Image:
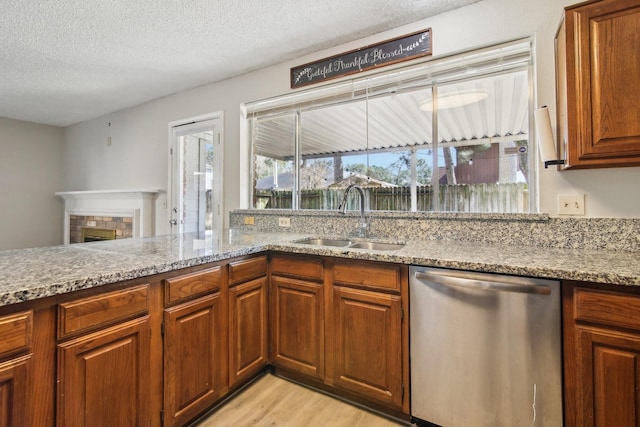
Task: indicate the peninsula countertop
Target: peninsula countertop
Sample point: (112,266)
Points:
(28,274)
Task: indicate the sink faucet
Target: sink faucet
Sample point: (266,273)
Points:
(364,225)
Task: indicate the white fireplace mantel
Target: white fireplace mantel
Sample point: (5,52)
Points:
(138,204)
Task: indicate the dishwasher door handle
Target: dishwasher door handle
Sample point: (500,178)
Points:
(487,285)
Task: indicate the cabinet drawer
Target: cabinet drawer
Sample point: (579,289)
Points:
(16,331)
(298,266)
(607,308)
(242,271)
(367,274)
(194,284)
(102,310)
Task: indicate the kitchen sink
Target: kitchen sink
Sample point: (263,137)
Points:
(351,244)
(325,242)
(377,246)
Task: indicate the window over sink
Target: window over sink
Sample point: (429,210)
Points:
(444,134)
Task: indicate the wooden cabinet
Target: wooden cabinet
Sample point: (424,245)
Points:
(87,314)
(598,84)
(602,355)
(104,372)
(248,319)
(370,334)
(174,342)
(297,314)
(136,353)
(341,322)
(195,345)
(194,359)
(16,331)
(163,350)
(368,344)
(14,392)
(104,377)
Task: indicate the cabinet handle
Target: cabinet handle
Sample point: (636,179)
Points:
(477,283)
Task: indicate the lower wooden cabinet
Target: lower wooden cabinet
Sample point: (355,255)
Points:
(194,358)
(163,351)
(368,344)
(248,330)
(602,356)
(297,326)
(14,392)
(16,346)
(104,377)
(340,323)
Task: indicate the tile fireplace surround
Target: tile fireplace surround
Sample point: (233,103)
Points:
(133,206)
(122,225)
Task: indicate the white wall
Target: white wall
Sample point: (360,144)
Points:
(31,166)
(137,157)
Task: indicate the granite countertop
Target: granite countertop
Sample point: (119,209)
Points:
(29,274)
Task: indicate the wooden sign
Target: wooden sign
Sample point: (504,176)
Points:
(385,53)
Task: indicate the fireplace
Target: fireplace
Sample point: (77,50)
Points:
(97,234)
(88,228)
(131,213)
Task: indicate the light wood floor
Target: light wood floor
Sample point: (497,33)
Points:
(273,401)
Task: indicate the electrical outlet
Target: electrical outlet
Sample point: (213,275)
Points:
(284,222)
(249,220)
(571,204)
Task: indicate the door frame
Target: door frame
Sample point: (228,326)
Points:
(172,164)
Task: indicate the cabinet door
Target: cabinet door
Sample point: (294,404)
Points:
(368,344)
(601,355)
(608,366)
(14,376)
(602,86)
(104,377)
(297,326)
(194,352)
(247,329)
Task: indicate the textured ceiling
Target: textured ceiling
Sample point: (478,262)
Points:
(66,61)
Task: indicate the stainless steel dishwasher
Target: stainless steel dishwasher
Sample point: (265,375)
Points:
(485,349)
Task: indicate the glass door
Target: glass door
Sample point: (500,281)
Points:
(196,177)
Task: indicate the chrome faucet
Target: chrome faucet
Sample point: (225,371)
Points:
(364,224)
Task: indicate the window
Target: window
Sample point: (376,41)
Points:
(449,134)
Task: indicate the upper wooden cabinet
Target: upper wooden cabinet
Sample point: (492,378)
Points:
(598,84)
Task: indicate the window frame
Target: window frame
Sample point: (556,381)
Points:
(493,60)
